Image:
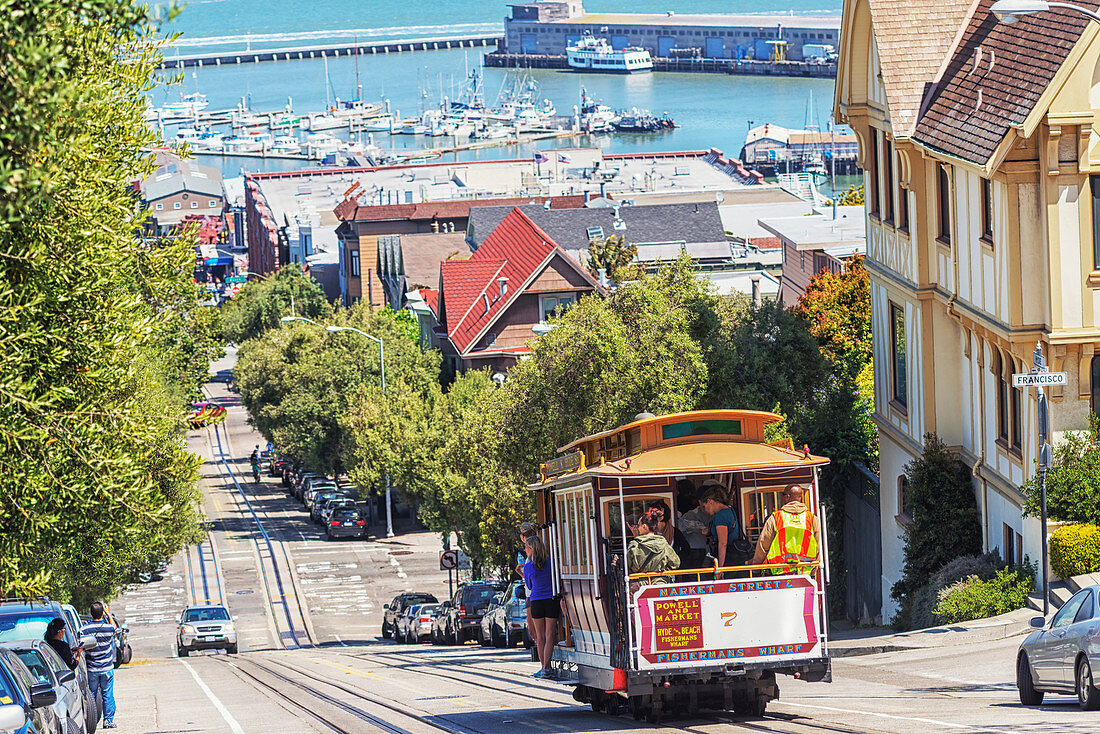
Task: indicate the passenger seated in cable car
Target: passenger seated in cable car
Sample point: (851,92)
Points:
(649,552)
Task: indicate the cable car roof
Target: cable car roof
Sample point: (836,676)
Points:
(763,417)
(709,457)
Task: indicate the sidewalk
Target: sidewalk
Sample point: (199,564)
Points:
(871,641)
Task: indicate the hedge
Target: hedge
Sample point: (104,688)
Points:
(975,598)
(1074,550)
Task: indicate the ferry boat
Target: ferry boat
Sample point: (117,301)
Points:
(189,105)
(596,54)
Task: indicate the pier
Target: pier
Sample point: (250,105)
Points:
(696,65)
(335,50)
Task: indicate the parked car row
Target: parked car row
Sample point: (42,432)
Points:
(38,692)
(491,612)
(333,506)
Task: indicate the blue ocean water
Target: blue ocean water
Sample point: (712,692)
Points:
(711,110)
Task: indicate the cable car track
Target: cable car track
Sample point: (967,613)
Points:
(241,667)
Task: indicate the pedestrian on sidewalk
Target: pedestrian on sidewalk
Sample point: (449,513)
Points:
(255,461)
(101,661)
(544,606)
(526,530)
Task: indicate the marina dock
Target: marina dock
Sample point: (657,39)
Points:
(689,65)
(254,56)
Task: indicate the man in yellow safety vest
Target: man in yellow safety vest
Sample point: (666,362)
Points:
(791,535)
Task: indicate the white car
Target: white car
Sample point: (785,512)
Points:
(206,627)
(47,666)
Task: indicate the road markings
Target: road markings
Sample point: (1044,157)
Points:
(233,725)
(886,716)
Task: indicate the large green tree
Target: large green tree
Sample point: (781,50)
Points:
(96,475)
(261,303)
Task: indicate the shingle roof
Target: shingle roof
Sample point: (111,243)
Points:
(569,228)
(996,75)
(421,255)
(515,250)
(912,37)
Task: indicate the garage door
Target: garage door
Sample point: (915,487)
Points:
(664,45)
(619,42)
(715,48)
(529,43)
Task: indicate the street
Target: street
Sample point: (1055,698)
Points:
(308,614)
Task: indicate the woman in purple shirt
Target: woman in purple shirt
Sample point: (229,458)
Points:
(545,609)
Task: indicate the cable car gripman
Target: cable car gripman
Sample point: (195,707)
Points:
(716,636)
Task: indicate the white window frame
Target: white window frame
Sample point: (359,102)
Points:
(558,298)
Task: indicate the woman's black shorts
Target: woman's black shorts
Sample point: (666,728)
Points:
(545,609)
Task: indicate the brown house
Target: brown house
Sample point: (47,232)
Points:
(364,262)
(490,304)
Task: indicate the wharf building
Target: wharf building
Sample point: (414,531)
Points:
(547,27)
(981,157)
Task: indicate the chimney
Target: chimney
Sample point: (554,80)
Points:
(756,291)
(503,286)
(603,189)
(603,276)
(587,196)
(486,297)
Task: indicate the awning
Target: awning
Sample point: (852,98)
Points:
(215,261)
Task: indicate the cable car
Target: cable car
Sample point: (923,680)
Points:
(715,637)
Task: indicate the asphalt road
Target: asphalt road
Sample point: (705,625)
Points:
(312,658)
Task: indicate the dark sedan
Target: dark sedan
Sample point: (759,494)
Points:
(345,522)
(1061,657)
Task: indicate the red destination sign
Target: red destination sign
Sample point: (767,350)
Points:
(678,624)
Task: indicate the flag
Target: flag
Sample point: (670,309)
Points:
(564,158)
(541,157)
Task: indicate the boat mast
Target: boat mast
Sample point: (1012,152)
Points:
(358,86)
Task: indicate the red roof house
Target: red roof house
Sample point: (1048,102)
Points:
(489,303)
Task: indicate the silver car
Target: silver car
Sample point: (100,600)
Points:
(206,627)
(1060,657)
(45,665)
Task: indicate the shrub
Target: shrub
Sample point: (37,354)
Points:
(917,609)
(1074,550)
(945,523)
(1073,482)
(975,598)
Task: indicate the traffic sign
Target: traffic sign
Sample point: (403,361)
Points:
(237,279)
(448,560)
(1040,379)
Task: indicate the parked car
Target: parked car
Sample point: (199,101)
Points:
(123,652)
(346,522)
(314,488)
(318,501)
(439,624)
(276,468)
(301,483)
(48,667)
(22,619)
(340,502)
(421,626)
(404,622)
(206,627)
(400,603)
(505,621)
(29,703)
(468,605)
(1061,657)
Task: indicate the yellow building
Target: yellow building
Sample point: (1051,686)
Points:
(982,174)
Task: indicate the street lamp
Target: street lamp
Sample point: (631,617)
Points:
(249,272)
(288,319)
(332,329)
(1009,11)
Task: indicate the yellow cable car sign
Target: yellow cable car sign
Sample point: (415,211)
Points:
(563,465)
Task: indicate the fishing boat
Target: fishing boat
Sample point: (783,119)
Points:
(589,53)
(286,144)
(641,121)
(188,106)
(377,125)
(490,132)
(596,117)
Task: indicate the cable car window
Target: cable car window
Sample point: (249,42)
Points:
(635,508)
(700,428)
(759,506)
(564,553)
(575,548)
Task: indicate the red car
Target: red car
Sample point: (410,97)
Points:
(205,414)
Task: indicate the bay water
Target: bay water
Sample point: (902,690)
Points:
(711,110)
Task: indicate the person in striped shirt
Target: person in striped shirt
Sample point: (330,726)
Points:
(101,661)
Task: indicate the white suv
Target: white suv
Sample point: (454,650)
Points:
(206,627)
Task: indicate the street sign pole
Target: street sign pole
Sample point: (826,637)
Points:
(1044,463)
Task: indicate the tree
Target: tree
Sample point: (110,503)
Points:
(852,197)
(1073,481)
(943,515)
(837,308)
(612,254)
(96,474)
(261,303)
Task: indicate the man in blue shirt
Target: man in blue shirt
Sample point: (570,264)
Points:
(101,661)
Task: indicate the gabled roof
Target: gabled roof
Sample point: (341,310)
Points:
(912,37)
(471,299)
(996,74)
(431,298)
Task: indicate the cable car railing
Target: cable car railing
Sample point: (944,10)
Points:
(716,569)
